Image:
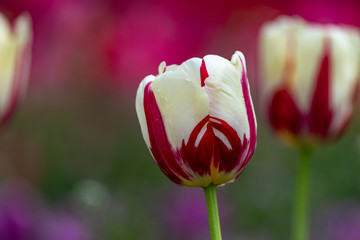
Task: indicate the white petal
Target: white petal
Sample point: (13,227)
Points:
(5,30)
(162,67)
(273,47)
(235,59)
(23,29)
(226,94)
(139,104)
(308,52)
(182,104)
(289,40)
(345,62)
(172,67)
(23,34)
(191,70)
(8,50)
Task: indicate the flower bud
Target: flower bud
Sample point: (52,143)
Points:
(310,78)
(198,121)
(15,44)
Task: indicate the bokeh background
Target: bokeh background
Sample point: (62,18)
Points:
(74,166)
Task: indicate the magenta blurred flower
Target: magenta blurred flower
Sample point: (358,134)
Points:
(23,216)
(18,213)
(15,48)
(341,222)
(198,120)
(345,228)
(310,78)
(184,214)
(61,226)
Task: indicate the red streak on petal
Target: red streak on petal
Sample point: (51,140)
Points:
(203,73)
(161,149)
(199,158)
(320,114)
(283,112)
(250,114)
(211,149)
(229,159)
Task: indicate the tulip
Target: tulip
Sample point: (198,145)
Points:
(310,78)
(15,44)
(310,81)
(198,121)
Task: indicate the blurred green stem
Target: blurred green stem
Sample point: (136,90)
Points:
(213,213)
(300,220)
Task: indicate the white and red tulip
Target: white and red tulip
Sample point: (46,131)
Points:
(198,119)
(15,55)
(310,76)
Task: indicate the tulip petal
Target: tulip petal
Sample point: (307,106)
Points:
(15,58)
(139,104)
(22,29)
(284,115)
(306,47)
(164,154)
(345,73)
(191,70)
(226,94)
(273,48)
(232,110)
(182,104)
(7,63)
(249,112)
(180,107)
(320,114)
(4,29)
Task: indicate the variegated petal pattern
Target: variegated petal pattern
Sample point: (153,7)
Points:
(198,121)
(310,77)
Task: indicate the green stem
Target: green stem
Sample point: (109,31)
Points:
(300,221)
(213,213)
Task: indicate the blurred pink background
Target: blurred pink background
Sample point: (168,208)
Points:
(76,145)
(118,43)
